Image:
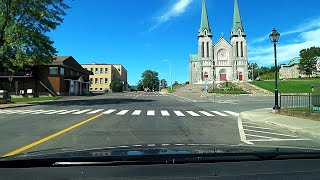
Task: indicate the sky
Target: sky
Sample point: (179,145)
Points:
(141,34)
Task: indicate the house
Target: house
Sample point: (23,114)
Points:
(104,74)
(292,69)
(63,76)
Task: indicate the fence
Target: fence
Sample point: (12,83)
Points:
(299,101)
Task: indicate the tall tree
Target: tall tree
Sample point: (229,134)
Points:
(150,79)
(24,25)
(308,60)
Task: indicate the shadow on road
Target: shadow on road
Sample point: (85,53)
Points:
(91,102)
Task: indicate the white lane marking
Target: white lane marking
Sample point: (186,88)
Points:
(122,112)
(178,113)
(165,113)
(96,111)
(151,145)
(70,111)
(165,144)
(256,127)
(82,111)
(265,132)
(123,146)
(109,111)
(192,144)
(137,145)
(232,113)
(136,112)
(179,144)
(193,113)
(10,111)
(184,98)
(275,139)
(206,113)
(250,123)
(252,135)
(29,111)
(54,112)
(39,112)
(150,113)
(219,113)
(241,133)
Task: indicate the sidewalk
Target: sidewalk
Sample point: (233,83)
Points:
(299,125)
(13,105)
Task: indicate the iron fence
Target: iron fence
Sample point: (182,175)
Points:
(299,100)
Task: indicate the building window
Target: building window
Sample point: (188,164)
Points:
(241,46)
(106,80)
(62,71)
(101,80)
(96,80)
(237,49)
(106,70)
(91,80)
(207,49)
(53,70)
(78,73)
(91,69)
(101,70)
(71,72)
(91,89)
(95,88)
(100,89)
(202,49)
(97,71)
(119,69)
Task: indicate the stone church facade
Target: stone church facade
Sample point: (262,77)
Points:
(222,61)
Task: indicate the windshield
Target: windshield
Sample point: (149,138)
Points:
(176,77)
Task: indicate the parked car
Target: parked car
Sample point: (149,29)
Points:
(133,90)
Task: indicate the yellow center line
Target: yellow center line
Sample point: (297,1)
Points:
(50,137)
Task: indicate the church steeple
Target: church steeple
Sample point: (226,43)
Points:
(205,29)
(237,22)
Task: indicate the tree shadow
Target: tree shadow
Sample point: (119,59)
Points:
(92,102)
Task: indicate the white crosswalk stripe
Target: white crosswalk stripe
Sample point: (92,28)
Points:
(38,112)
(82,111)
(69,111)
(96,111)
(136,112)
(206,113)
(150,113)
(109,111)
(178,113)
(54,112)
(193,113)
(232,113)
(219,113)
(123,112)
(165,113)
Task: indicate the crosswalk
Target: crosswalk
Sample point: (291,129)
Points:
(117,112)
(150,95)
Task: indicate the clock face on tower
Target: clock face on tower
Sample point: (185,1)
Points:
(223,54)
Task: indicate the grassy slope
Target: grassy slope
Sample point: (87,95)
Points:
(289,86)
(33,99)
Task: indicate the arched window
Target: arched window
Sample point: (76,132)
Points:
(237,49)
(208,49)
(241,46)
(202,48)
(205,32)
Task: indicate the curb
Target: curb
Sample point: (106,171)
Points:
(315,133)
(17,105)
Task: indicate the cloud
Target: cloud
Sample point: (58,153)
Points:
(308,25)
(173,11)
(263,55)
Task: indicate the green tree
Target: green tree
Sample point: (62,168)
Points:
(24,25)
(150,80)
(140,86)
(308,60)
(116,86)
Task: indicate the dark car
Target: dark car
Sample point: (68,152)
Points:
(133,90)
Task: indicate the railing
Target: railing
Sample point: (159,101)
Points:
(299,100)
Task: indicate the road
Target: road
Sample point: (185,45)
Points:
(139,119)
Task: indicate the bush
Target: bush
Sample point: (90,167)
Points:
(116,86)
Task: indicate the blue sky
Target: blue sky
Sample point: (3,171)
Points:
(140,34)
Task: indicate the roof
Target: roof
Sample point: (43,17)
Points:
(69,62)
(193,57)
(204,21)
(296,61)
(237,21)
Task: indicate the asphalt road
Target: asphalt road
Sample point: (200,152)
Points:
(138,119)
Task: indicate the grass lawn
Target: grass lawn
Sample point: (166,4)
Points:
(174,87)
(15,100)
(289,85)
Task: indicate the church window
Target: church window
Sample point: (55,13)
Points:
(241,49)
(205,32)
(202,48)
(237,48)
(207,49)
(194,65)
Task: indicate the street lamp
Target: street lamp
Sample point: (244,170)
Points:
(170,72)
(274,37)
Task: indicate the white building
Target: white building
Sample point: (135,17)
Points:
(292,69)
(222,61)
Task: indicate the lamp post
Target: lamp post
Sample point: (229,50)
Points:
(274,37)
(170,72)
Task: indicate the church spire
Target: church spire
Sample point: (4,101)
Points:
(204,22)
(237,22)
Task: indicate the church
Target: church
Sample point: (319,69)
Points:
(222,61)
